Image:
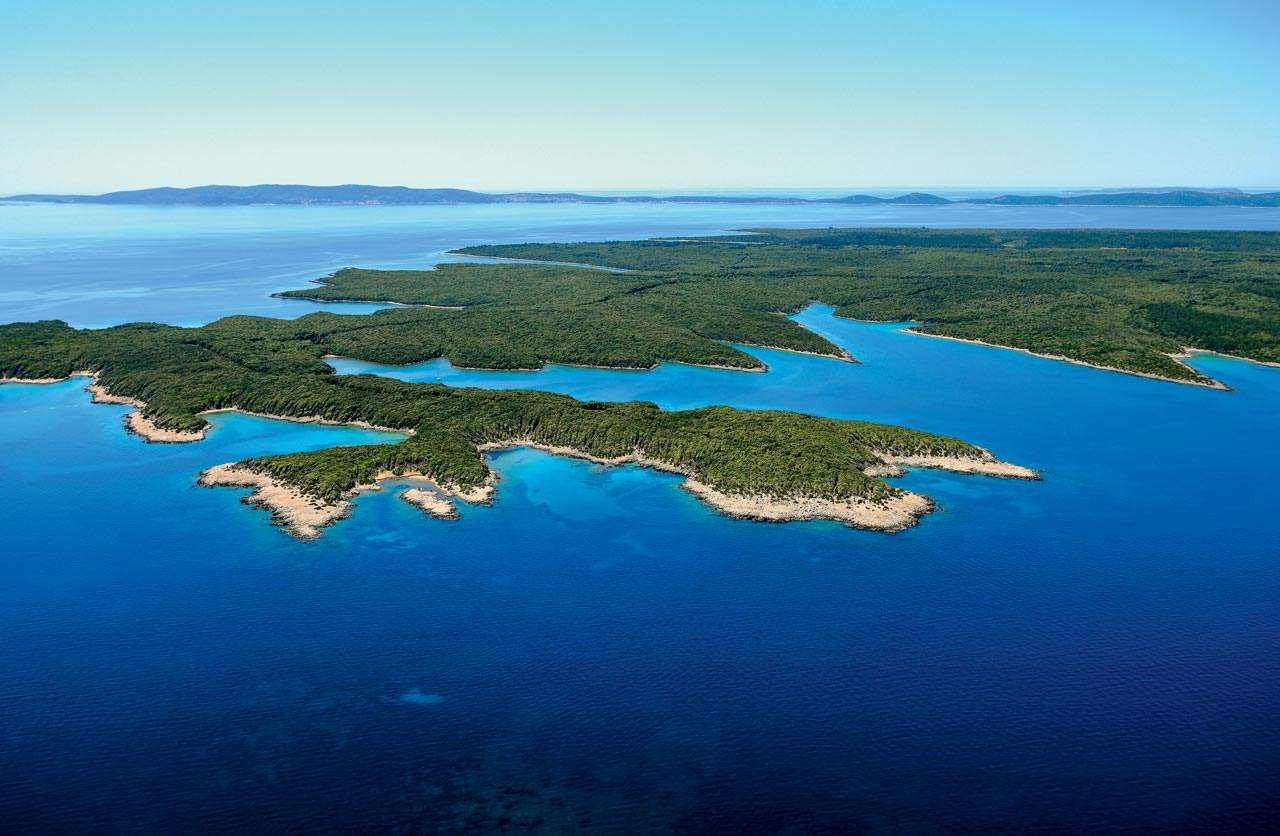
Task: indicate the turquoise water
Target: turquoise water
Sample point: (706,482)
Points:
(598,650)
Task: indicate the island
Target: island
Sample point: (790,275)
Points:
(1122,300)
(1130,301)
(765,465)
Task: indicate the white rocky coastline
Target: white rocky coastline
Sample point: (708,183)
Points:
(305,516)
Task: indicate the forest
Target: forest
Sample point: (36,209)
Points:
(1122,299)
(275,367)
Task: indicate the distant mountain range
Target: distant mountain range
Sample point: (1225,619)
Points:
(355,195)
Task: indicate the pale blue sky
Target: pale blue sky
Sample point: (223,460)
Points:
(595,95)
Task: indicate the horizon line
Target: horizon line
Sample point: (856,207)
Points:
(673,190)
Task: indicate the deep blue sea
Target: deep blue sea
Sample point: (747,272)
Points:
(597,651)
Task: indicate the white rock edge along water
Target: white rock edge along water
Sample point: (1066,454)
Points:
(1179,358)
(305,516)
(136,422)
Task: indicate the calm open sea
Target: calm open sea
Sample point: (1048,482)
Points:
(597,650)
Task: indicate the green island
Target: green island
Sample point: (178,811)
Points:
(1129,301)
(757,464)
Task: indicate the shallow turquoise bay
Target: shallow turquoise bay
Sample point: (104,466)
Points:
(1094,650)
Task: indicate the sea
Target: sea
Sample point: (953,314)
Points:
(597,651)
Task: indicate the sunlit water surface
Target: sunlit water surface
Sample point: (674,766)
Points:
(596,649)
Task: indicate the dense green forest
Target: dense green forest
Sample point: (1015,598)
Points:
(1117,298)
(521,316)
(276,367)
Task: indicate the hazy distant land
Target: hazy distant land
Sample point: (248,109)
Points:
(355,194)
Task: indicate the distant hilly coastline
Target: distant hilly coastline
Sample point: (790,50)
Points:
(356,195)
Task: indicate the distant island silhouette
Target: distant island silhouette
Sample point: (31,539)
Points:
(355,194)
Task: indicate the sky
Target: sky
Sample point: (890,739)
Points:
(115,94)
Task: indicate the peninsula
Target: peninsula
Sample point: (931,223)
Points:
(761,465)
